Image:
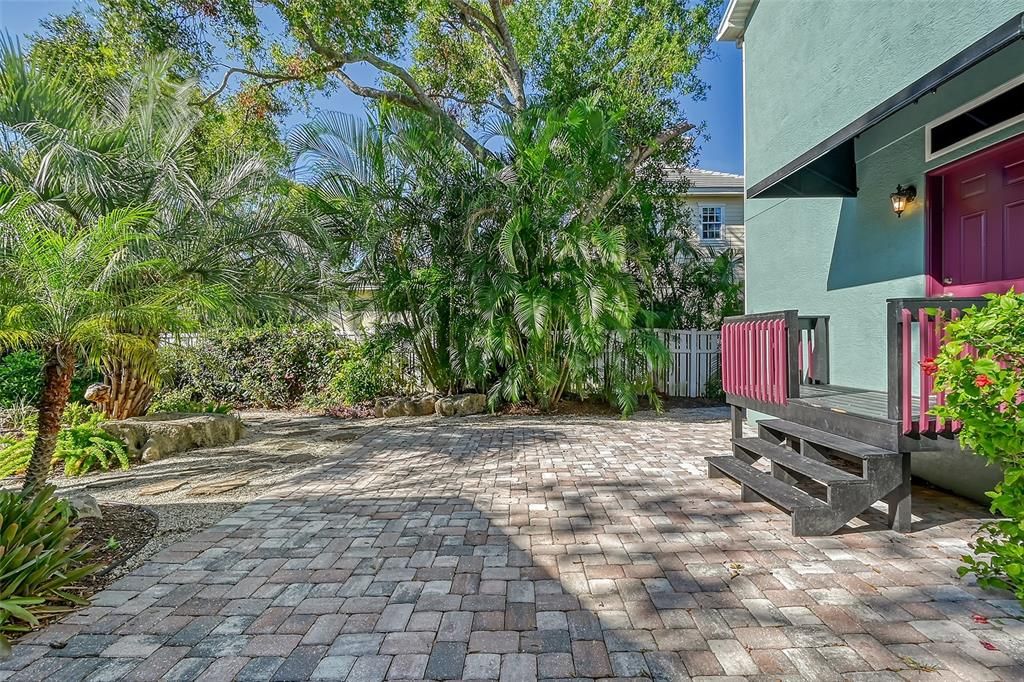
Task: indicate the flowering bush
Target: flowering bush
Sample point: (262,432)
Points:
(985,392)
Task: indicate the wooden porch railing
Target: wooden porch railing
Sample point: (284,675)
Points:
(917,330)
(766,356)
(812,349)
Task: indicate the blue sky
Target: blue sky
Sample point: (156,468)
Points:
(722,110)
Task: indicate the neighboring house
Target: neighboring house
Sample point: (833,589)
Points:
(715,200)
(854,110)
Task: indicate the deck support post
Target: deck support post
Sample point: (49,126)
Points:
(738,415)
(898,500)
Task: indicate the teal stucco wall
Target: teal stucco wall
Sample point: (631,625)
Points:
(845,257)
(813,66)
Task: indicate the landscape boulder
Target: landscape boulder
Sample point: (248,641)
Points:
(156,436)
(428,404)
(413,406)
(98,394)
(461,405)
(85,506)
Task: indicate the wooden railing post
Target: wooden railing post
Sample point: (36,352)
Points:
(895,350)
(792,353)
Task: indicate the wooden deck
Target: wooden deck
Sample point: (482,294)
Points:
(848,400)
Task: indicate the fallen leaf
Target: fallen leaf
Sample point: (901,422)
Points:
(980,620)
(916,665)
(990,646)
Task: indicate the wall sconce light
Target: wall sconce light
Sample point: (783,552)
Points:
(901,197)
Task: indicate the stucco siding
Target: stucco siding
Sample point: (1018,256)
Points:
(845,257)
(813,67)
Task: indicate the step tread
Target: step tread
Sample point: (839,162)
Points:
(790,459)
(778,492)
(818,437)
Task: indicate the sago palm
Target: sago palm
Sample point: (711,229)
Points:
(63,291)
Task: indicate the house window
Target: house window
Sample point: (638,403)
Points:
(983,116)
(711,223)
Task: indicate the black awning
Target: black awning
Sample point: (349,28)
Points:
(829,169)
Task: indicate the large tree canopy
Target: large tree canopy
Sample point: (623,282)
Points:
(461,62)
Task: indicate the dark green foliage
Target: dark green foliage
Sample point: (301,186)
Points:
(177,401)
(273,366)
(985,393)
(38,560)
(368,372)
(21,379)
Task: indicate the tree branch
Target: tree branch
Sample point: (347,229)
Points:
(268,78)
(519,91)
(495,33)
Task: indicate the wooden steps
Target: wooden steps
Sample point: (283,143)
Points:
(824,439)
(819,497)
(793,461)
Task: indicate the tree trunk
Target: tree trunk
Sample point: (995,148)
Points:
(130,394)
(58,370)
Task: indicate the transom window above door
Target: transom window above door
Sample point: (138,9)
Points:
(711,223)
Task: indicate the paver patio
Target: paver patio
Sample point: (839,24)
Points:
(521,548)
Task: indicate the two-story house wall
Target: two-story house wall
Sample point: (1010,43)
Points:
(884,170)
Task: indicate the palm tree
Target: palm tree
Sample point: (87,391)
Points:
(566,252)
(399,196)
(63,291)
(224,225)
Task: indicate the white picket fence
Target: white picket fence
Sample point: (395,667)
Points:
(694,357)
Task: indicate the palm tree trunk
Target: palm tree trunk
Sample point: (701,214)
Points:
(58,370)
(130,394)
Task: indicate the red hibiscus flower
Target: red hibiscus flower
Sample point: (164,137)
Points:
(929,366)
(982,380)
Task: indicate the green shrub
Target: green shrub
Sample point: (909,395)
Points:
(362,372)
(21,379)
(177,400)
(38,560)
(713,389)
(985,393)
(267,367)
(82,446)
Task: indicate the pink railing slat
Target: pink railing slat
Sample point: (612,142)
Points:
(937,340)
(780,362)
(924,379)
(906,392)
(931,335)
(754,362)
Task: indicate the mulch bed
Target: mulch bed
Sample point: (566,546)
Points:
(120,534)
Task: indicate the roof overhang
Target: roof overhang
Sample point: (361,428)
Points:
(829,168)
(734,23)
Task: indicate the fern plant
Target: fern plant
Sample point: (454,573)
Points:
(82,446)
(86,447)
(14,455)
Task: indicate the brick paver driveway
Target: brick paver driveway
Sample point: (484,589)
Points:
(519,548)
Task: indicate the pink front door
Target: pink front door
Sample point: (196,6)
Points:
(981,232)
